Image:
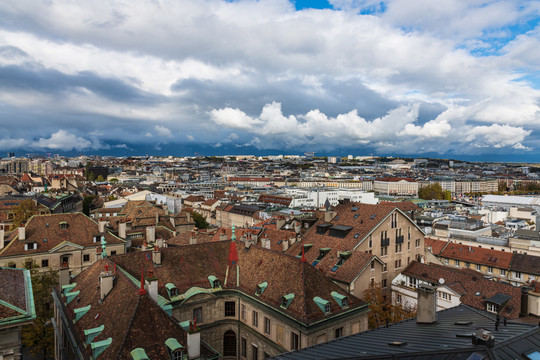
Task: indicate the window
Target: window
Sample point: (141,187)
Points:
(230,308)
(417,242)
(384,251)
(243,347)
(86,257)
(385,268)
(478,267)
(197,315)
(177,355)
(492,308)
(45,263)
(490,269)
(295,341)
(244,312)
(409,245)
(457,262)
(229,343)
(398,248)
(338,332)
(113,252)
(467,264)
(413,282)
(399,298)
(518,275)
(384,283)
(255,319)
(327,308)
(254,351)
(63,225)
(503,272)
(267,325)
(373,265)
(398,264)
(370,241)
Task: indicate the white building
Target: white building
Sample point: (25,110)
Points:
(318,197)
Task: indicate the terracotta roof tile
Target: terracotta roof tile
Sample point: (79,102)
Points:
(477,255)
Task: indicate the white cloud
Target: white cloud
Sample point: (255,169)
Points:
(190,137)
(63,140)
(163,131)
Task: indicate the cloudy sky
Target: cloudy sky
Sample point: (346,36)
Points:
(412,77)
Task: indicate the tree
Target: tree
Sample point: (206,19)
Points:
(24,211)
(200,220)
(430,192)
(100,178)
(39,336)
(87,201)
(382,311)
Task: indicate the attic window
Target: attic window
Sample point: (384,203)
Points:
(30,246)
(356,216)
(373,216)
(171,290)
(63,225)
(260,288)
(139,354)
(174,349)
(354,208)
(342,258)
(322,253)
(306,248)
(324,305)
(286,300)
(322,228)
(342,300)
(214,282)
(356,235)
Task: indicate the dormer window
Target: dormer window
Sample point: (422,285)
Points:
(306,249)
(286,300)
(174,349)
(342,300)
(322,253)
(324,305)
(96,238)
(260,288)
(342,258)
(214,282)
(171,290)
(64,225)
(30,246)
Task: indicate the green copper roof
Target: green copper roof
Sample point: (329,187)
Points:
(173,344)
(139,354)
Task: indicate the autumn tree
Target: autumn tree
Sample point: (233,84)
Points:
(382,311)
(24,211)
(431,192)
(200,220)
(39,336)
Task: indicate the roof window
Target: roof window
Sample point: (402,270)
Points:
(171,290)
(214,282)
(286,300)
(139,354)
(99,347)
(174,349)
(342,300)
(260,288)
(322,253)
(30,246)
(91,334)
(64,225)
(324,305)
(306,248)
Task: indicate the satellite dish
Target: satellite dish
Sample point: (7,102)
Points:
(441,281)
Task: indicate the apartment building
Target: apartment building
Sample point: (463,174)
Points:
(395,186)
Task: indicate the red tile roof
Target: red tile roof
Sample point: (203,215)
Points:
(477,255)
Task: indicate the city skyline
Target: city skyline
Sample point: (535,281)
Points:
(458,79)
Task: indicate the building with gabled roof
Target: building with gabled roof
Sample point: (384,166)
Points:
(248,301)
(57,241)
(116,320)
(16,310)
(387,238)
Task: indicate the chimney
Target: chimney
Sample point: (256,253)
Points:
(106,282)
(157,217)
(2,239)
(292,240)
(266,242)
(151,234)
(483,337)
(193,342)
(156,256)
(427,304)
(285,244)
(122,230)
(329,215)
(193,237)
(223,235)
(525,300)
(101,226)
(63,276)
(297,227)
(151,285)
(279,224)
(22,233)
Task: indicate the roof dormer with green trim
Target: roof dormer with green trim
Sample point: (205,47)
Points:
(214,282)
(322,254)
(71,295)
(68,288)
(139,354)
(91,334)
(342,300)
(260,288)
(79,313)
(172,290)
(324,305)
(174,349)
(286,300)
(99,347)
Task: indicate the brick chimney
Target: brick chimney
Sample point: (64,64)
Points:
(427,304)
(22,233)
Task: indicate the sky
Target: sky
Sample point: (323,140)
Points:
(447,78)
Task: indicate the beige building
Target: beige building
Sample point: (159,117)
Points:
(248,302)
(396,186)
(57,241)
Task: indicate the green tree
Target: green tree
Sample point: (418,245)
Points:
(431,192)
(114,180)
(91,176)
(382,311)
(24,211)
(100,178)
(200,220)
(87,201)
(39,336)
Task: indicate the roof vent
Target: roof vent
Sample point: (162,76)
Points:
(484,337)
(397,343)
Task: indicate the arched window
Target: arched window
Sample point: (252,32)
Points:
(229,343)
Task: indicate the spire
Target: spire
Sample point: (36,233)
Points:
(233,237)
(103,247)
(142,291)
(233,254)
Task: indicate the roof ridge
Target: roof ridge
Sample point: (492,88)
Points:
(304,315)
(129,327)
